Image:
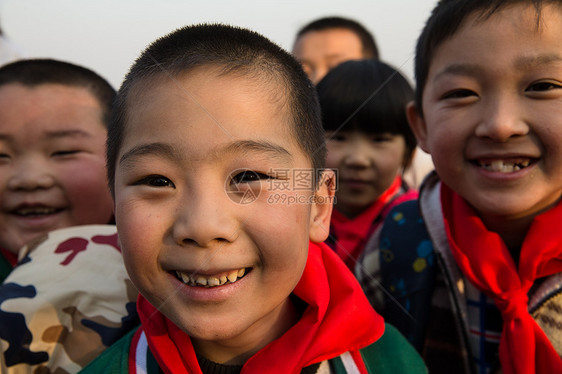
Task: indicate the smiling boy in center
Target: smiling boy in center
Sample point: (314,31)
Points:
(208,113)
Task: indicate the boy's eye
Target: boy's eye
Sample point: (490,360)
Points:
(156,181)
(338,137)
(458,94)
(543,86)
(4,157)
(248,176)
(379,138)
(65,153)
(335,62)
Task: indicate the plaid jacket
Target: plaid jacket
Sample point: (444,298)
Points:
(419,288)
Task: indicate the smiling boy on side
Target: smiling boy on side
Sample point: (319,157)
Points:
(53,125)
(55,215)
(488,109)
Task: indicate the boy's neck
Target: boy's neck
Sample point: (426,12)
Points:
(243,348)
(512,232)
(210,367)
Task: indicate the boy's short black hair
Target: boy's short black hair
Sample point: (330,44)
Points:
(445,20)
(368,96)
(231,50)
(370,49)
(35,72)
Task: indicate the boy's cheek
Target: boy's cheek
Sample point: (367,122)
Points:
(133,227)
(139,254)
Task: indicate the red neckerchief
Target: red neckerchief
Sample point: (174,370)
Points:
(338,319)
(12,258)
(485,260)
(352,234)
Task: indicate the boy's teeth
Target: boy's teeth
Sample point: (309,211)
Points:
(211,281)
(35,211)
(184,277)
(496,165)
(232,276)
(502,166)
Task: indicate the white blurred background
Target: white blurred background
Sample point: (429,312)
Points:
(107,35)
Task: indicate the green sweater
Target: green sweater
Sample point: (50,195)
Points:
(391,354)
(5,268)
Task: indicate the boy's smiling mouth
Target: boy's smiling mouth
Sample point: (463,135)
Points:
(504,165)
(199,280)
(34,211)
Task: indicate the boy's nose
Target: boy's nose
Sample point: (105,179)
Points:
(502,120)
(205,220)
(31,174)
(357,155)
(317,74)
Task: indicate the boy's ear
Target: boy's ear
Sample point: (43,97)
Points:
(322,205)
(417,124)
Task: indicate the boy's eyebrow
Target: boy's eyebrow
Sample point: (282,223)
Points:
(459,69)
(68,133)
(543,59)
(159,149)
(5,138)
(258,147)
(172,153)
(521,63)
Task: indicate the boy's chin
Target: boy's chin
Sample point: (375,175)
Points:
(509,209)
(209,327)
(220,340)
(16,244)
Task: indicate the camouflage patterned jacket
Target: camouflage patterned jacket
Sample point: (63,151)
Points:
(67,300)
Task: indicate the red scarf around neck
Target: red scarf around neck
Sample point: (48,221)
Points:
(338,319)
(352,233)
(10,257)
(485,260)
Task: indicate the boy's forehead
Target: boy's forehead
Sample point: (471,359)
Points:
(527,19)
(51,103)
(46,95)
(489,15)
(47,87)
(196,95)
(182,83)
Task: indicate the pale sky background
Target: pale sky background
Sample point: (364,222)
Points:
(107,35)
